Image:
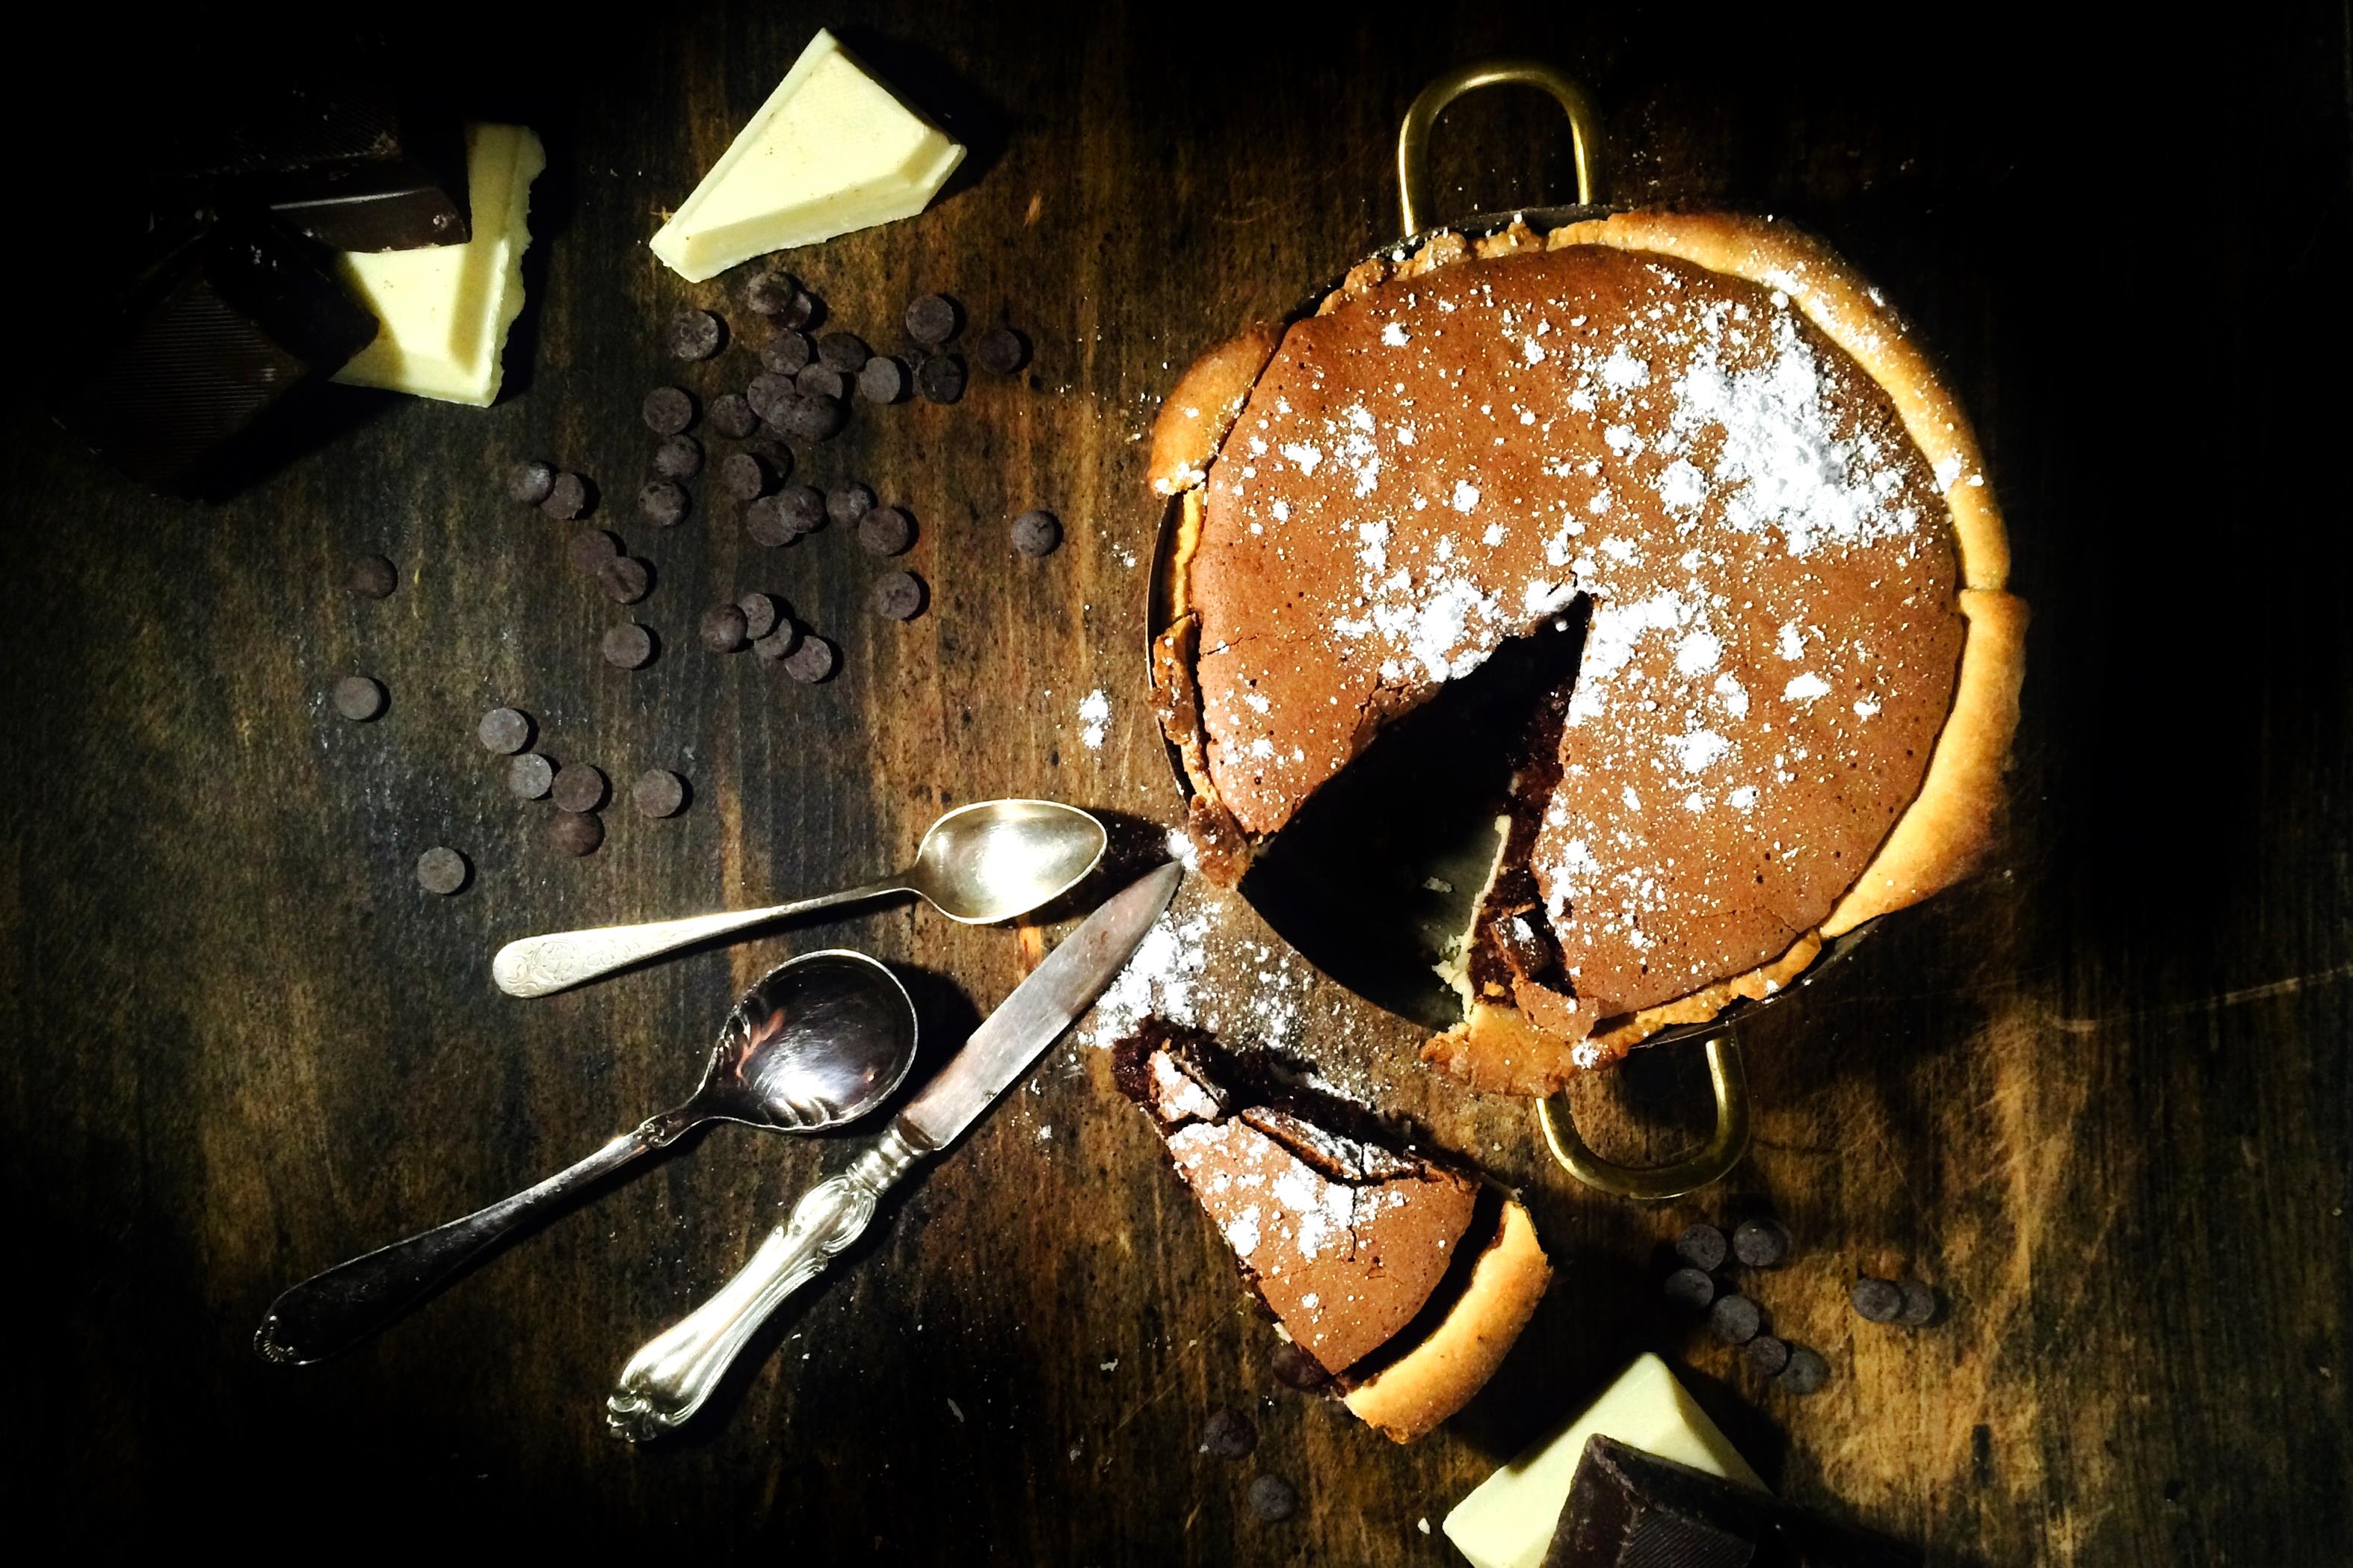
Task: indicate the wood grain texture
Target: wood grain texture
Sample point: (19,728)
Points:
(2098,1096)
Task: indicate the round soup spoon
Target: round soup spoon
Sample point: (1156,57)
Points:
(819,1041)
(978,864)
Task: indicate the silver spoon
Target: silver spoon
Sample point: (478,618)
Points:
(978,864)
(819,1041)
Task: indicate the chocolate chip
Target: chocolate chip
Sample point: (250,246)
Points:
(932,320)
(766,521)
(678,458)
(1734,1319)
(358,699)
(886,530)
(1691,1287)
(668,410)
(1036,533)
(629,646)
(580,787)
(567,498)
(803,507)
(528,483)
(820,381)
(779,643)
(898,594)
(441,869)
(1702,1246)
(767,395)
(658,793)
(1806,1371)
(505,731)
(723,629)
(662,503)
(695,334)
(787,353)
(1767,1355)
(813,661)
(1919,1304)
(845,504)
(940,378)
(573,833)
(1294,1368)
(773,293)
(845,352)
(1228,1434)
(1001,350)
(530,776)
(743,475)
(1760,1243)
(732,415)
(761,613)
(808,418)
(1273,1499)
(372,577)
(1878,1300)
(883,380)
(589,551)
(625,580)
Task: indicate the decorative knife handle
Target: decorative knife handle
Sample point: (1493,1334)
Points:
(668,1379)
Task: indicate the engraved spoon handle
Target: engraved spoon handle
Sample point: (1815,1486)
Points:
(668,1379)
(536,965)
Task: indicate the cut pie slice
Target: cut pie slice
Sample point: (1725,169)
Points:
(1405,1279)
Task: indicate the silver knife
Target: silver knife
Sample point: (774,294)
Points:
(667,1380)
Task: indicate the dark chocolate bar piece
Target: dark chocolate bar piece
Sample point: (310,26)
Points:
(1628,1509)
(223,321)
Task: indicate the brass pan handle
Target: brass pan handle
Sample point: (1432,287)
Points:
(1413,136)
(1711,1163)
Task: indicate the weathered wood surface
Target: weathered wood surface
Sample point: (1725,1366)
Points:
(2099,1096)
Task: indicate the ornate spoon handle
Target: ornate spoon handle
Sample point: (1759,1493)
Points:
(536,965)
(668,1379)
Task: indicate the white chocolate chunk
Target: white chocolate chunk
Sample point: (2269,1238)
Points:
(443,312)
(1508,1521)
(832,150)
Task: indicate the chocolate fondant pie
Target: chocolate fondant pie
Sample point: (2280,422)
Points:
(1703,444)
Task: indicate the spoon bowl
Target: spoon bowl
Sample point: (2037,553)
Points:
(998,858)
(819,1040)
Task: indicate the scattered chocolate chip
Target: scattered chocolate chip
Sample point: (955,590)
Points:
(441,869)
(372,577)
(743,475)
(1691,1287)
(1294,1368)
(662,503)
(668,410)
(766,521)
(505,731)
(883,380)
(1036,533)
(886,530)
(589,551)
(1760,1243)
(658,793)
(625,580)
(1878,1300)
(845,352)
(761,613)
(1805,1373)
(695,334)
(813,661)
(787,353)
(629,646)
(940,378)
(767,393)
(528,483)
(732,415)
(1919,1304)
(1001,350)
(1228,1434)
(573,833)
(809,418)
(820,381)
(803,507)
(723,629)
(845,504)
(779,643)
(567,498)
(772,293)
(1734,1319)
(1273,1499)
(358,699)
(1767,1355)
(932,320)
(898,594)
(1702,1246)
(530,776)
(678,458)
(580,787)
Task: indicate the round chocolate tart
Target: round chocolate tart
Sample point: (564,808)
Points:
(1708,459)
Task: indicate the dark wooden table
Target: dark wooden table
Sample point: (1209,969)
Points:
(2099,1096)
